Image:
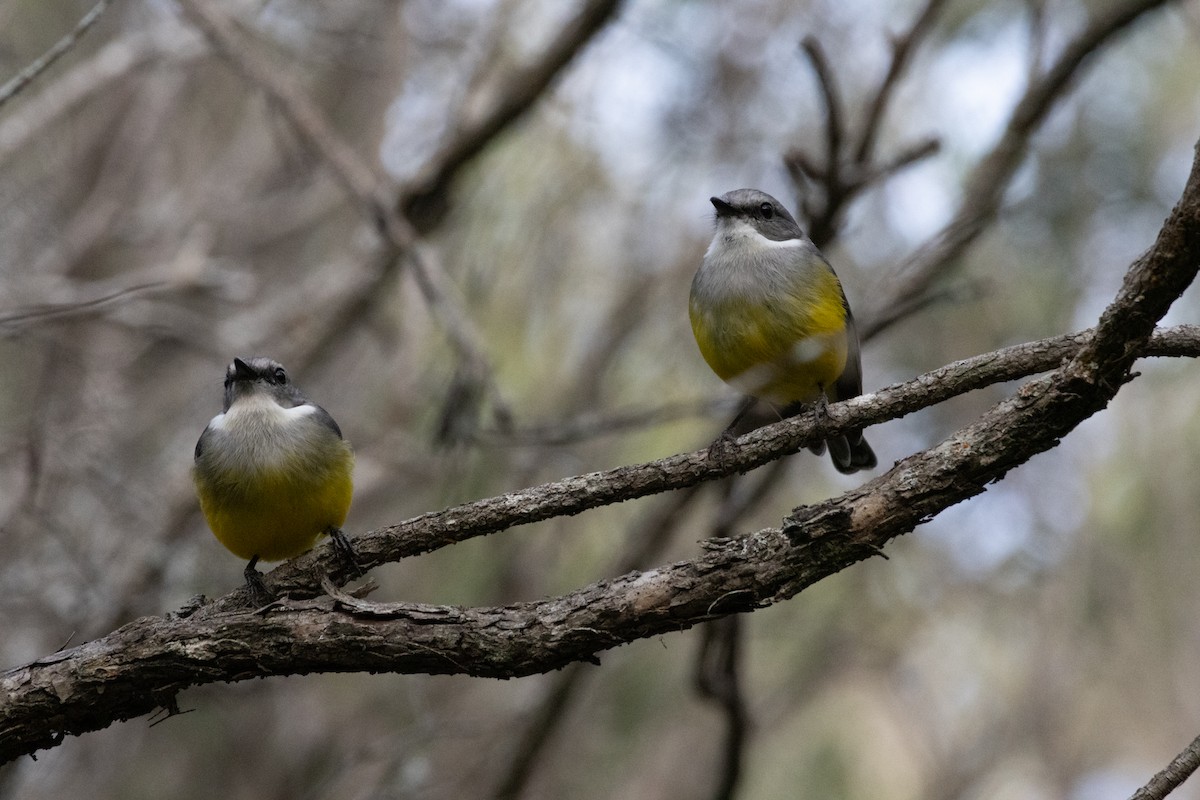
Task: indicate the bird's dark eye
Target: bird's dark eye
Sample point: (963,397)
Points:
(766,210)
(280,376)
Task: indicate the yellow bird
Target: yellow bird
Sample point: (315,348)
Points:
(272,471)
(771,319)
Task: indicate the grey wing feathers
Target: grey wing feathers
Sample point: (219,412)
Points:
(200,445)
(322,416)
(849,383)
(853,453)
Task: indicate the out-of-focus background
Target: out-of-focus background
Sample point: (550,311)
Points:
(158,216)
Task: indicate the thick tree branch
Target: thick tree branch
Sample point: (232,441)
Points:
(583,492)
(144,664)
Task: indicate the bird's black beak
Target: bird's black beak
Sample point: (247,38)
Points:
(242,371)
(723,208)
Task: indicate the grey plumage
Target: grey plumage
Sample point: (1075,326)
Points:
(762,280)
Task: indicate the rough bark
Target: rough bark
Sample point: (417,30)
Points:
(145,664)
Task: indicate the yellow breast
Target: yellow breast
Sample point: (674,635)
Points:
(786,349)
(275,508)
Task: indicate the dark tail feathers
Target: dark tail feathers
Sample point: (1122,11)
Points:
(851,453)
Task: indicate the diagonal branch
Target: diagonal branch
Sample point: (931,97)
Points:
(390,208)
(903,48)
(144,664)
(592,490)
(26,76)
(360,182)
(990,178)
(842,182)
(1172,776)
(425,199)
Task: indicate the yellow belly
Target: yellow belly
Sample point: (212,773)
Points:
(786,352)
(273,515)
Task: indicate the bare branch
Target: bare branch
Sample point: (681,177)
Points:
(991,176)
(147,662)
(425,199)
(645,540)
(357,178)
(718,678)
(573,495)
(360,182)
(533,737)
(831,98)
(22,317)
(60,48)
(1172,776)
(902,52)
(842,182)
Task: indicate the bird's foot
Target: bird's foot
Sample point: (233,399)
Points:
(345,551)
(260,595)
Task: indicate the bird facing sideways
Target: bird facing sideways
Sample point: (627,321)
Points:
(771,318)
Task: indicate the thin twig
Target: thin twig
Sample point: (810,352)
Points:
(88,76)
(645,540)
(39,65)
(52,311)
(360,182)
(990,178)
(902,52)
(831,98)
(425,199)
(841,180)
(536,733)
(717,671)
(1172,776)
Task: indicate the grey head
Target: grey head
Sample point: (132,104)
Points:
(758,209)
(265,376)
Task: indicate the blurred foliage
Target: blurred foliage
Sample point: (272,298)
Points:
(1036,642)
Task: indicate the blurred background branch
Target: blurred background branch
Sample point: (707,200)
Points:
(553,162)
(989,179)
(18,82)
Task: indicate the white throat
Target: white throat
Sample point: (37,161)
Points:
(738,233)
(259,409)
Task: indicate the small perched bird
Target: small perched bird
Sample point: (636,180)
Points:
(272,470)
(771,319)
